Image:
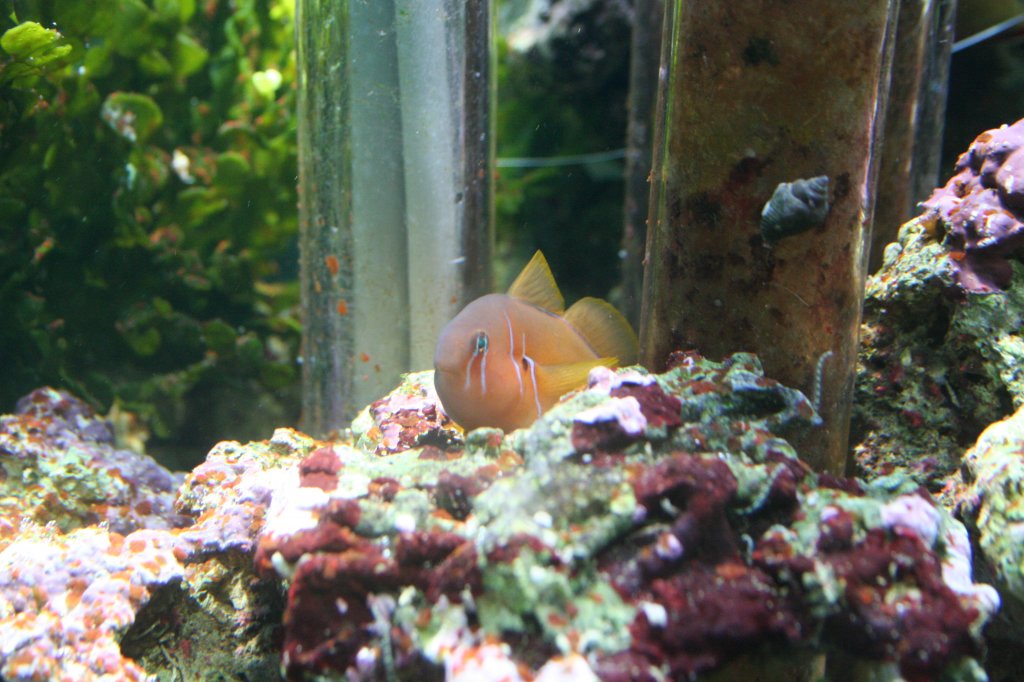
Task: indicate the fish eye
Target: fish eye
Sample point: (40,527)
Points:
(480,343)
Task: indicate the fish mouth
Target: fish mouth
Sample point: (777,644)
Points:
(444,367)
(445,371)
(449,374)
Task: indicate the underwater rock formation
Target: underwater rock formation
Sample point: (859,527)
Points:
(59,464)
(66,599)
(979,212)
(942,351)
(942,359)
(993,508)
(102,576)
(648,526)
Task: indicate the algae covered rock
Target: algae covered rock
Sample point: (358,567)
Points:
(103,576)
(66,599)
(647,527)
(938,361)
(993,507)
(981,210)
(60,464)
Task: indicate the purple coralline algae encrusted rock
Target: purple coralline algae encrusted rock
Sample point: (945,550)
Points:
(981,208)
(647,527)
(406,417)
(59,464)
(173,595)
(65,599)
(942,348)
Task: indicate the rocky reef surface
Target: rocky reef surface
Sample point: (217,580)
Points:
(940,385)
(647,527)
(942,351)
(111,570)
(60,465)
(992,506)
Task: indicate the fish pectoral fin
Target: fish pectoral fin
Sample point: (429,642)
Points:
(604,328)
(557,380)
(536,285)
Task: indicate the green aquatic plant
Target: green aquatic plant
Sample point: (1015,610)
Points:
(147,204)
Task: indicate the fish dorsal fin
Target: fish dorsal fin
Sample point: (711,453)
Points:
(604,328)
(560,379)
(536,285)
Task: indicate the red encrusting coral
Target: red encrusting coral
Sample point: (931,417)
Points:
(660,409)
(320,469)
(713,583)
(897,605)
(330,613)
(328,618)
(340,590)
(713,614)
(616,427)
(601,437)
(700,604)
(332,533)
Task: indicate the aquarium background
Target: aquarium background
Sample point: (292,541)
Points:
(148,193)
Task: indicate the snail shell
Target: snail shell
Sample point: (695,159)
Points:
(795,207)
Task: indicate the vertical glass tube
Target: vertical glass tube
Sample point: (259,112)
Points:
(648,17)
(758,95)
(931,117)
(912,142)
(395,151)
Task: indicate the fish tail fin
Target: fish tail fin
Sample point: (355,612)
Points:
(557,380)
(604,328)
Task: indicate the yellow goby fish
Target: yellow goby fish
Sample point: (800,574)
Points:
(507,358)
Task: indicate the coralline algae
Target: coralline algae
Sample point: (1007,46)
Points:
(66,599)
(59,464)
(942,356)
(979,211)
(647,527)
(942,359)
(120,584)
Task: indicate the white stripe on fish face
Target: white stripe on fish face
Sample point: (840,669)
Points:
(512,354)
(480,346)
(533,376)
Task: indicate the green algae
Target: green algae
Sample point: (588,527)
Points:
(528,586)
(994,507)
(411,508)
(996,321)
(573,509)
(529,591)
(147,195)
(936,364)
(35,50)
